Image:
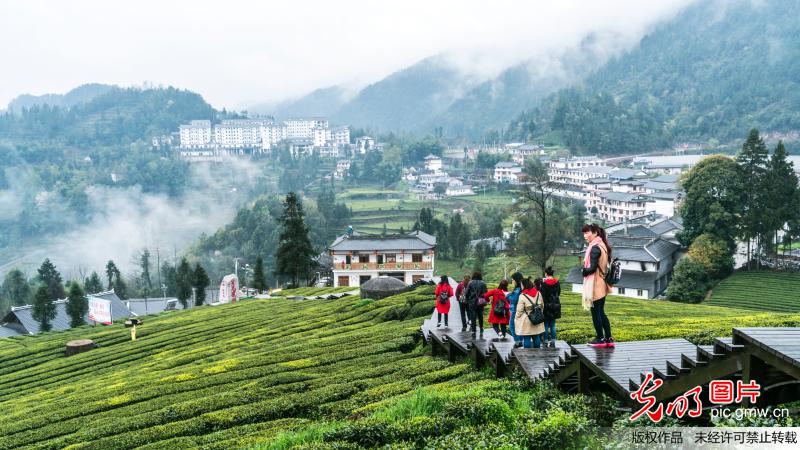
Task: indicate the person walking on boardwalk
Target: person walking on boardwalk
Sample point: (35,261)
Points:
(499,308)
(443,293)
(595,265)
(474,293)
(529,300)
(551,295)
(513,298)
(462,301)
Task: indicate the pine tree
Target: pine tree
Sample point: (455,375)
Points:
(294,255)
(50,277)
(183,282)
(259,279)
(782,200)
(93,284)
(752,160)
(44,310)
(200,282)
(144,265)
(77,305)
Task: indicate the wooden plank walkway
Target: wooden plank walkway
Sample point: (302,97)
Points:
(769,355)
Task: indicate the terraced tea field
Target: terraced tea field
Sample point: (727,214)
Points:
(759,290)
(322,374)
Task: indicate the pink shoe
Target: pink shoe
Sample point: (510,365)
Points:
(610,342)
(597,343)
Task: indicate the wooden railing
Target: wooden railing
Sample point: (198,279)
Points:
(384,266)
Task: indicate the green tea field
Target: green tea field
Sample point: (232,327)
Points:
(759,290)
(321,374)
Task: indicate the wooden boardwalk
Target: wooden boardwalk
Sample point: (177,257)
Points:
(770,356)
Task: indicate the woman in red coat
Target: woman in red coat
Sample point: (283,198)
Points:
(499,323)
(443,293)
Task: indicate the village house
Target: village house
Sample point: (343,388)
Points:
(647,262)
(20,321)
(507,172)
(433,163)
(357,258)
(342,168)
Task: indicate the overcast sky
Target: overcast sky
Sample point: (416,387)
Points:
(237,53)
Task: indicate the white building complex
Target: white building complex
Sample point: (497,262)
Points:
(357,258)
(200,138)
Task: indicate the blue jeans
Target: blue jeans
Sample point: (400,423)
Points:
(535,340)
(511,323)
(550,330)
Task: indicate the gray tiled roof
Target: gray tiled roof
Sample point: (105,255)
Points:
(622,174)
(665,179)
(660,186)
(631,279)
(666,226)
(640,248)
(663,195)
(8,332)
(416,240)
(21,318)
(635,231)
(622,197)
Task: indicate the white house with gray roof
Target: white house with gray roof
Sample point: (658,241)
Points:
(20,319)
(357,258)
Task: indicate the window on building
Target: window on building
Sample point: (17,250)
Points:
(644,266)
(348,259)
(416,257)
(415,278)
(621,291)
(639,292)
(379,259)
(363,258)
(344,281)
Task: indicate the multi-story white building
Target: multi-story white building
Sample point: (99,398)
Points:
(196,133)
(357,258)
(433,163)
(239,133)
(576,177)
(272,134)
(363,143)
(321,136)
(507,172)
(618,206)
(342,168)
(303,128)
(341,136)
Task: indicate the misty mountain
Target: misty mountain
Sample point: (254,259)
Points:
(408,99)
(320,102)
(714,71)
(80,94)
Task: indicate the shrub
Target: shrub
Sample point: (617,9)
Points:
(690,282)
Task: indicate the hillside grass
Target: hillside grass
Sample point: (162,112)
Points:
(758,290)
(281,373)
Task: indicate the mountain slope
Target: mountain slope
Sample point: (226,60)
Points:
(407,99)
(716,70)
(80,94)
(320,102)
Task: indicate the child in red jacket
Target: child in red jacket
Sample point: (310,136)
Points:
(500,311)
(443,293)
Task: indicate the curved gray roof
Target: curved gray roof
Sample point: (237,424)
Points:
(416,240)
(383,283)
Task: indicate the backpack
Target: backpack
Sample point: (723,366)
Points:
(463,297)
(614,273)
(443,297)
(554,306)
(536,315)
(499,308)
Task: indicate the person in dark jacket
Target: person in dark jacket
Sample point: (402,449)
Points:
(595,264)
(475,296)
(551,294)
(462,301)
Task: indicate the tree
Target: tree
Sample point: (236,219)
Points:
(183,282)
(713,200)
(540,218)
(120,287)
(111,270)
(482,251)
(713,253)
(783,195)
(44,310)
(690,282)
(259,279)
(50,277)
(294,254)
(457,236)
(169,278)
(200,282)
(77,305)
(426,220)
(16,289)
(752,160)
(93,284)
(144,265)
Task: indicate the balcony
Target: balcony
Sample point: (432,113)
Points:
(384,266)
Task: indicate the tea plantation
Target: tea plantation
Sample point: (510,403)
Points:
(282,373)
(760,290)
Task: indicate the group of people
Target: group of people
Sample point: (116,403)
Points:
(528,309)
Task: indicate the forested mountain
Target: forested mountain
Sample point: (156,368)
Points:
(80,94)
(320,102)
(715,70)
(408,99)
